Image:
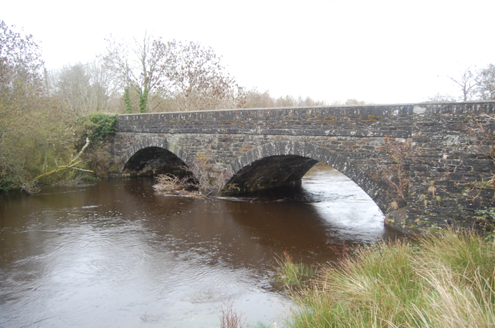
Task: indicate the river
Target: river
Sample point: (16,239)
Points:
(115,254)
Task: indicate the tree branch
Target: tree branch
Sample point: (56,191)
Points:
(71,164)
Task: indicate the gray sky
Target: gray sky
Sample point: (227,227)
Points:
(377,51)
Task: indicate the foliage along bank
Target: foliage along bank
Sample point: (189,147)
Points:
(42,150)
(42,132)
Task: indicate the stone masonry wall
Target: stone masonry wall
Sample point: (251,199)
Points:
(444,153)
(447,158)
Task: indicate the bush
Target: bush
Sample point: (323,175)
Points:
(34,141)
(104,125)
(96,126)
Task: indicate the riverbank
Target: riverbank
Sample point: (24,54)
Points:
(444,280)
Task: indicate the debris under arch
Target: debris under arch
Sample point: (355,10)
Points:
(170,184)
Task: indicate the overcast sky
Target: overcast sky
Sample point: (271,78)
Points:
(376,51)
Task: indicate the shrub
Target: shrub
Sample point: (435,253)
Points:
(96,126)
(104,125)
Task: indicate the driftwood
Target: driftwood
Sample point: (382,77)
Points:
(170,184)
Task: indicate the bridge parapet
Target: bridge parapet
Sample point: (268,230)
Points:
(370,120)
(327,121)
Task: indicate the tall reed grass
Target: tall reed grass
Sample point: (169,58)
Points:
(444,280)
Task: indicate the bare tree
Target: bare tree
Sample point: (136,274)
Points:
(467,83)
(83,88)
(20,66)
(198,80)
(73,87)
(185,75)
(486,83)
(140,67)
(474,84)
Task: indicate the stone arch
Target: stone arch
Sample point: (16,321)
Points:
(147,154)
(377,192)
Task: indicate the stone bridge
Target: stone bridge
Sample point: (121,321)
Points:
(416,161)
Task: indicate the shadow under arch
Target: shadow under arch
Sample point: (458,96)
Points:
(257,168)
(150,156)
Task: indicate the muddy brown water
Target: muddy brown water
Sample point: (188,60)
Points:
(116,254)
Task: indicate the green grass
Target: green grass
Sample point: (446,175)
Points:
(445,280)
(292,273)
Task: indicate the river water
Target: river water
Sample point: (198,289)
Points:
(116,254)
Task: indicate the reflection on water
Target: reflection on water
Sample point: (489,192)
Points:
(118,255)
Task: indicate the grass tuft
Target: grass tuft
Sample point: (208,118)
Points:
(293,273)
(445,280)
